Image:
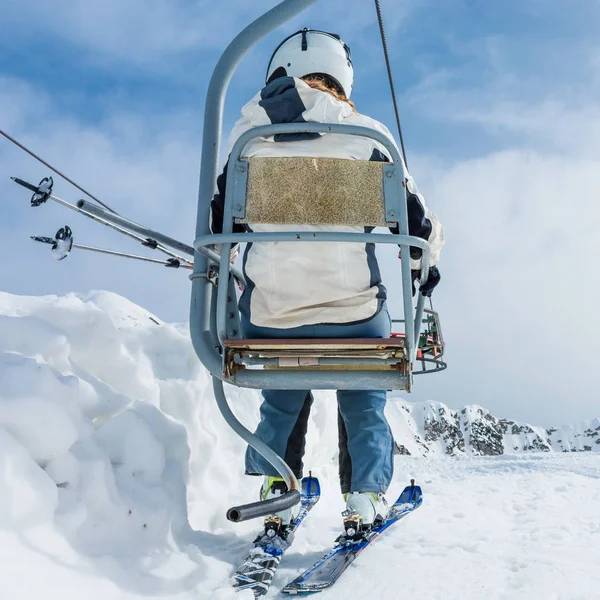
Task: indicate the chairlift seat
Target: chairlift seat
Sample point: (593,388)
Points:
(369,354)
(306,194)
(314,191)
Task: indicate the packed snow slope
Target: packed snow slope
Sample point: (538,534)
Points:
(116,469)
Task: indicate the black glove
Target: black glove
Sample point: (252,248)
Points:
(432,281)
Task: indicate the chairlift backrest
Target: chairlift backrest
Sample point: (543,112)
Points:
(315,191)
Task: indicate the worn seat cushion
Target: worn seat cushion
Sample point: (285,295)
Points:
(315,191)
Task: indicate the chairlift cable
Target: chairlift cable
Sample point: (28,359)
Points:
(392,90)
(56,171)
(389,70)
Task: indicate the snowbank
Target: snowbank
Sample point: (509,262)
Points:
(96,459)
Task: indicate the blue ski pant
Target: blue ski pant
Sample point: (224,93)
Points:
(366,443)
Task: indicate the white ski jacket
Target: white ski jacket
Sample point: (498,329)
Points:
(292,284)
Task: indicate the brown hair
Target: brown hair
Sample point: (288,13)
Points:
(324,84)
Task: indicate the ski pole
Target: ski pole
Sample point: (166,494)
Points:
(148,242)
(62,244)
(154,239)
(172,262)
(92,209)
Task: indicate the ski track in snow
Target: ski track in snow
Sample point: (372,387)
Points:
(116,469)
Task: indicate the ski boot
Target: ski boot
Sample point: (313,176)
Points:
(363,510)
(277,523)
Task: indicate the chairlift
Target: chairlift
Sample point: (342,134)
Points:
(375,195)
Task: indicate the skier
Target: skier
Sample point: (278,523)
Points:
(320,290)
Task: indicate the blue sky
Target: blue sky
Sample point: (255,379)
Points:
(499,105)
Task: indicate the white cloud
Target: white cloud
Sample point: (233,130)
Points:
(519,271)
(519,283)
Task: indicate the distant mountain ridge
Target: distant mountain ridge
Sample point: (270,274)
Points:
(432,428)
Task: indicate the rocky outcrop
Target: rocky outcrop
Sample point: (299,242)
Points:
(432,428)
(583,437)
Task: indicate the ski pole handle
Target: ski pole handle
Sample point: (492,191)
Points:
(264,507)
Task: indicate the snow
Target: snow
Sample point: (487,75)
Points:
(116,469)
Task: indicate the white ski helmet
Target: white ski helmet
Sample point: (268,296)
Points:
(310,51)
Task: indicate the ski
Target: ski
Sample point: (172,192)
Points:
(257,571)
(327,570)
